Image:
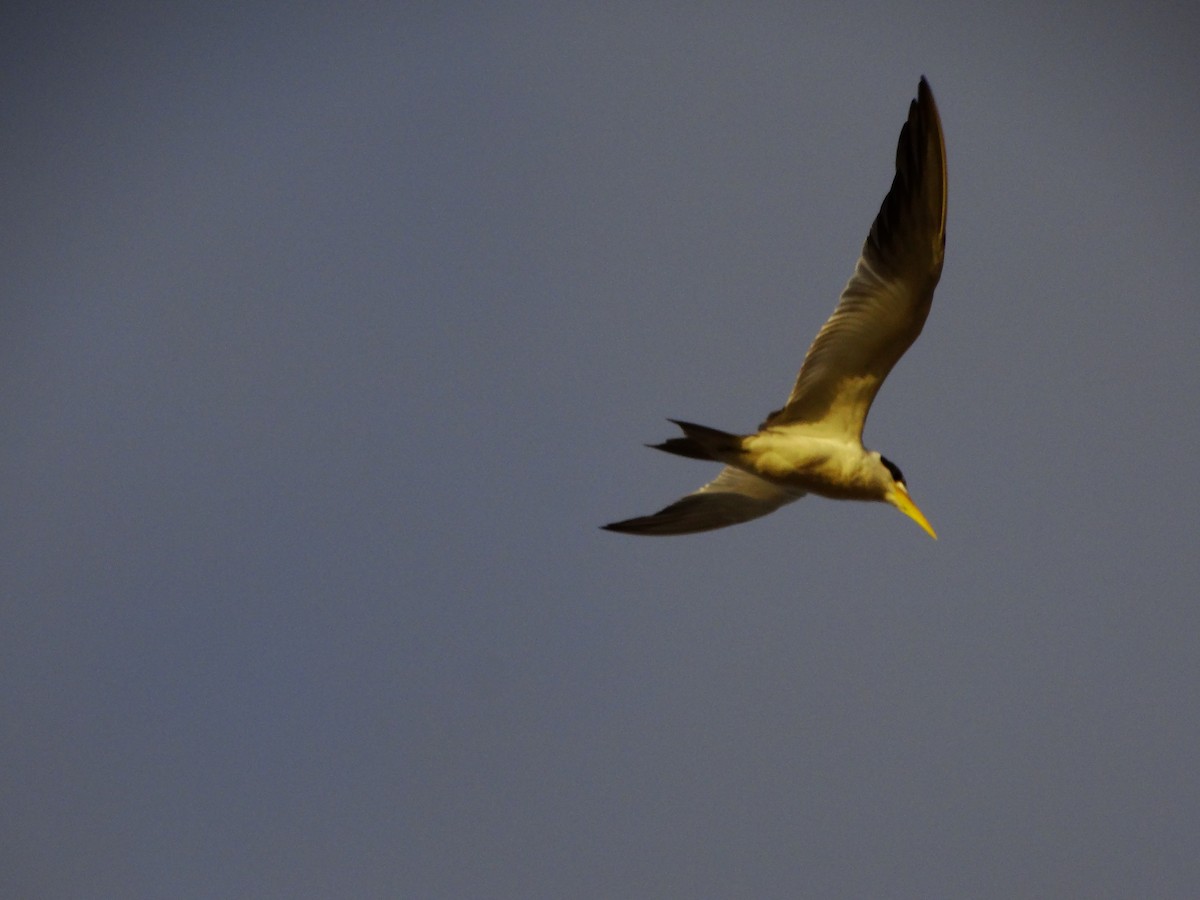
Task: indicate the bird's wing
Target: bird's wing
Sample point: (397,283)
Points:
(733,496)
(884,306)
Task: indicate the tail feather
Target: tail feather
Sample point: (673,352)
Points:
(701,442)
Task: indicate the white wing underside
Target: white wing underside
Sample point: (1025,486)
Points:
(732,497)
(884,305)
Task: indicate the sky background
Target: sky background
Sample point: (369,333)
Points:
(330,334)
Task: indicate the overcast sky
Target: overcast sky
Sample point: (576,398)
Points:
(330,335)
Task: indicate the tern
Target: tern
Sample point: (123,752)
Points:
(813,445)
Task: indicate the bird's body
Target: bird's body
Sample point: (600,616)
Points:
(816,465)
(814,443)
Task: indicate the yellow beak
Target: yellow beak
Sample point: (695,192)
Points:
(899,498)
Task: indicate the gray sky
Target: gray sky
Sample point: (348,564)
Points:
(329,339)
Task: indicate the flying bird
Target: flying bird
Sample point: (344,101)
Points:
(813,445)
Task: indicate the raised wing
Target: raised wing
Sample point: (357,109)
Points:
(733,496)
(884,306)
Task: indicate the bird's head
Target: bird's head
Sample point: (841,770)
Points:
(895,492)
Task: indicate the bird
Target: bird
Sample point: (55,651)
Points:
(813,444)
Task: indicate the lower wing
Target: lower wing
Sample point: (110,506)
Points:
(733,496)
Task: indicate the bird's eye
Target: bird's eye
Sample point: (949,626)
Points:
(897,475)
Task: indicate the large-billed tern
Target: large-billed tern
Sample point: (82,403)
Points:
(814,444)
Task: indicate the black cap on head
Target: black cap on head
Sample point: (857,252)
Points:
(897,475)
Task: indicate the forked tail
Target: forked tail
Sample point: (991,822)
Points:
(701,442)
